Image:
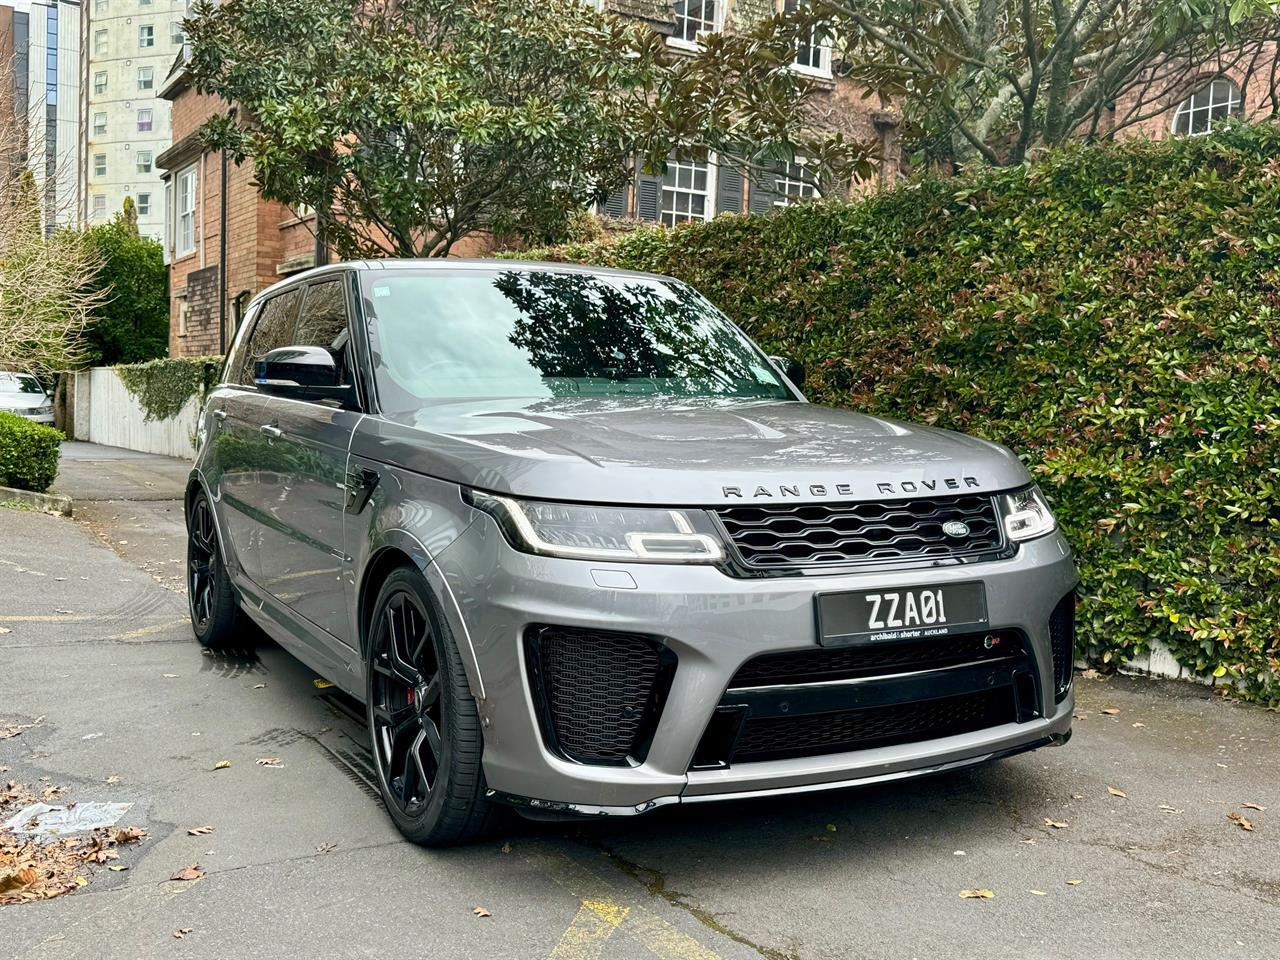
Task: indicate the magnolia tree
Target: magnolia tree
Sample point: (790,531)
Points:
(411,125)
(994,80)
(45,294)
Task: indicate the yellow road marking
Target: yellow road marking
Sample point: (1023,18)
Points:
(154,628)
(606,901)
(591,928)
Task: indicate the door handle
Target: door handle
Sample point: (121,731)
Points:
(219,414)
(275,433)
(359,487)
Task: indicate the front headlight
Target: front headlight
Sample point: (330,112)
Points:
(585,532)
(1026,514)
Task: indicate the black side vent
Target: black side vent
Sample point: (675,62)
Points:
(1062,637)
(599,693)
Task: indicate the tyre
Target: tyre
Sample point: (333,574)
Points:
(423,723)
(216,618)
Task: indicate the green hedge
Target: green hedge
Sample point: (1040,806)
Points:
(162,387)
(1110,313)
(28,453)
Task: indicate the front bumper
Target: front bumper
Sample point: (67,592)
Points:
(713,623)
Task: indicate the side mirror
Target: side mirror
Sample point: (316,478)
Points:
(793,370)
(301,373)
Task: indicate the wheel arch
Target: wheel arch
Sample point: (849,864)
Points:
(405,550)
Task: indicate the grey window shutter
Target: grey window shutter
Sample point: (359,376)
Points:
(616,205)
(648,197)
(728,189)
(762,193)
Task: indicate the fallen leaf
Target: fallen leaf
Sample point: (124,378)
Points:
(1110,711)
(1028,841)
(19,879)
(4,630)
(958,853)
(170,676)
(128,834)
(80,881)
(193,872)
(1139,724)
(259,686)
(200,831)
(977,894)
(481,912)
(1117,793)
(118,867)
(1074,883)
(322,684)
(222,764)
(269,762)
(1056,824)
(831,828)
(181,932)
(1241,821)
(326,848)
(1038,893)
(506,848)
(1250,805)
(91,736)
(111,780)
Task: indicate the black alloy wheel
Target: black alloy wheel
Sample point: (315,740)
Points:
(423,721)
(216,618)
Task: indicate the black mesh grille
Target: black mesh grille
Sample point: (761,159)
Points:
(599,692)
(1062,637)
(779,738)
(810,666)
(816,534)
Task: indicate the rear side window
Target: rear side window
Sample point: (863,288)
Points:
(275,327)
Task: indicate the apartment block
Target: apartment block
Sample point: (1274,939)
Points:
(40,101)
(129,46)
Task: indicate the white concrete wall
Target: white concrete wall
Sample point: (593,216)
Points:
(105,412)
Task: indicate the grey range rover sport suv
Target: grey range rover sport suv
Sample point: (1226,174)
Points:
(580,547)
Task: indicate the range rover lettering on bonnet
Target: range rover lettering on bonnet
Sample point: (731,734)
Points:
(846,489)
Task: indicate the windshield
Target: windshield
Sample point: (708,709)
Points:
(20,383)
(446,334)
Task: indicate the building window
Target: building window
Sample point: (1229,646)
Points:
(185,212)
(99,206)
(814,53)
(1196,114)
(144,204)
(144,121)
(146,36)
(177,34)
(146,78)
(794,182)
(100,6)
(144,3)
(99,164)
(694,17)
(686,192)
(99,124)
(144,161)
(100,82)
(99,41)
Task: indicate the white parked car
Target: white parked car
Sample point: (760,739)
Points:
(21,393)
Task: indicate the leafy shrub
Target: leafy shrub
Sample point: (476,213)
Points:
(162,387)
(1112,313)
(28,453)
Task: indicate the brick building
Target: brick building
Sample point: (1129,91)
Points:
(264,241)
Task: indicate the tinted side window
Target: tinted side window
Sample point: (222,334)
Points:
(323,322)
(232,372)
(274,329)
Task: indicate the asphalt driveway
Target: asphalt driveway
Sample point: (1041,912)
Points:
(302,862)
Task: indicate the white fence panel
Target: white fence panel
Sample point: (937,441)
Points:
(106,412)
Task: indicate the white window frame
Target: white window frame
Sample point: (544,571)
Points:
(717,24)
(1223,92)
(99,82)
(146,36)
(151,78)
(99,209)
(99,124)
(789,189)
(143,204)
(143,165)
(151,120)
(99,164)
(177,36)
(822,68)
(668,213)
(100,6)
(184,212)
(100,41)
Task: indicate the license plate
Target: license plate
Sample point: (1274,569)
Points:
(900,613)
